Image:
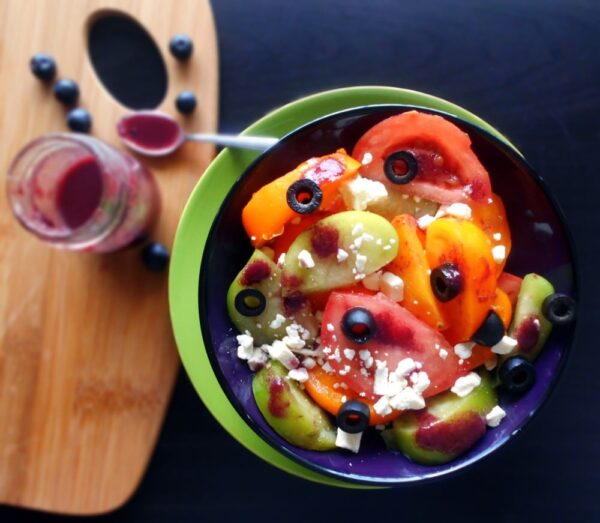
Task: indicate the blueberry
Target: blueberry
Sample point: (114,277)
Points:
(155,256)
(353,417)
(250,302)
(66,91)
(559,309)
(304,196)
(358,325)
(79,120)
(181,46)
(43,66)
(517,375)
(401,167)
(446,282)
(491,330)
(186,102)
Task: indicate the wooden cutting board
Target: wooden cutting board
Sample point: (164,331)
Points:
(87,357)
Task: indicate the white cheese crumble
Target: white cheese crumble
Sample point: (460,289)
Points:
(464,350)
(465,385)
(281,260)
(495,416)
(443,354)
(305,259)
(300,374)
(258,359)
(505,346)
(425,221)
(364,354)
(392,286)
(309,363)
(382,406)
(458,210)
(407,399)
(361,262)
(380,383)
(327,368)
(341,255)
(278,321)
(497,236)
(499,253)
(279,351)
(371,281)
(245,346)
(367,159)
(330,327)
(360,192)
(344,440)
(357,229)
(349,353)
(420,381)
(406,366)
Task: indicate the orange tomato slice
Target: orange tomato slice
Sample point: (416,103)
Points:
(411,265)
(465,245)
(264,217)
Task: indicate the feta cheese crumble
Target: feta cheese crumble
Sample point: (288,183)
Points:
(330,327)
(305,259)
(505,346)
(443,354)
(245,346)
(497,236)
(407,399)
(499,253)
(458,210)
(392,286)
(382,406)
(281,260)
(309,363)
(278,321)
(344,440)
(300,374)
(425,221)
(465,385)
(361,262)
(360,192)
(367,159)
(349,353)
(495,416)
(380,383)
(280,352)
(342,255)
(371,281)
(464,350)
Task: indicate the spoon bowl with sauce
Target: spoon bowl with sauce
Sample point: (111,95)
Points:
(153,133)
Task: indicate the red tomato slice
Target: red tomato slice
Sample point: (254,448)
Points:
(511,285)
(449,170)
(398,335)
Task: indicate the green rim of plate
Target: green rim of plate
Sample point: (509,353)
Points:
(192,233)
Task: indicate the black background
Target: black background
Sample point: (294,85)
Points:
(532,69)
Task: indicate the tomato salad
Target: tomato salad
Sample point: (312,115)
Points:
(376,296)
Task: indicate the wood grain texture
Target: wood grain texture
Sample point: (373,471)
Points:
(87,358)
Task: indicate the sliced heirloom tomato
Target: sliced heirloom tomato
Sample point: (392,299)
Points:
(267,213)
(322,388)
(511,285)
(411,265)
(448,170)
(397,334)
(463,244)
(490,217)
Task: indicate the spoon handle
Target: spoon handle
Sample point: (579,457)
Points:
(257,143)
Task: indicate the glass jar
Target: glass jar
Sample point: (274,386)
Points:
(77,192)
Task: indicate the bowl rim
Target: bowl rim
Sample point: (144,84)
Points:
(499,142)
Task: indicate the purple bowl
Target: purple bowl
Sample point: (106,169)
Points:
(541,243)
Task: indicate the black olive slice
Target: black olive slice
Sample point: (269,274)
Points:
(401,167)
(250,302)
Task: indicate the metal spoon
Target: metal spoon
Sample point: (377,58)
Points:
(153,133)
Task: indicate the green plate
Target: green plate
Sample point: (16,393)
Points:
(194,227)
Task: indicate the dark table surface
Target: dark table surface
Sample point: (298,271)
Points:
(532,69)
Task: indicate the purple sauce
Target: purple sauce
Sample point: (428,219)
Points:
(256,272)
(79,192)
(149,131)
(324,240)
(450,437)
(277,405)
(528,333)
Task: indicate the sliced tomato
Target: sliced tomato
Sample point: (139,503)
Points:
(411,265)
(511,285)
(490,217)
(266,214)
(398,335)
(328,392)
(448,170)
(464,244)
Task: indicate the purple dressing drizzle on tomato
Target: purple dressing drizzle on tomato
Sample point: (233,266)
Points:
(450,437)
(256,272)
(324,240)
(528,333)
(277,405)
